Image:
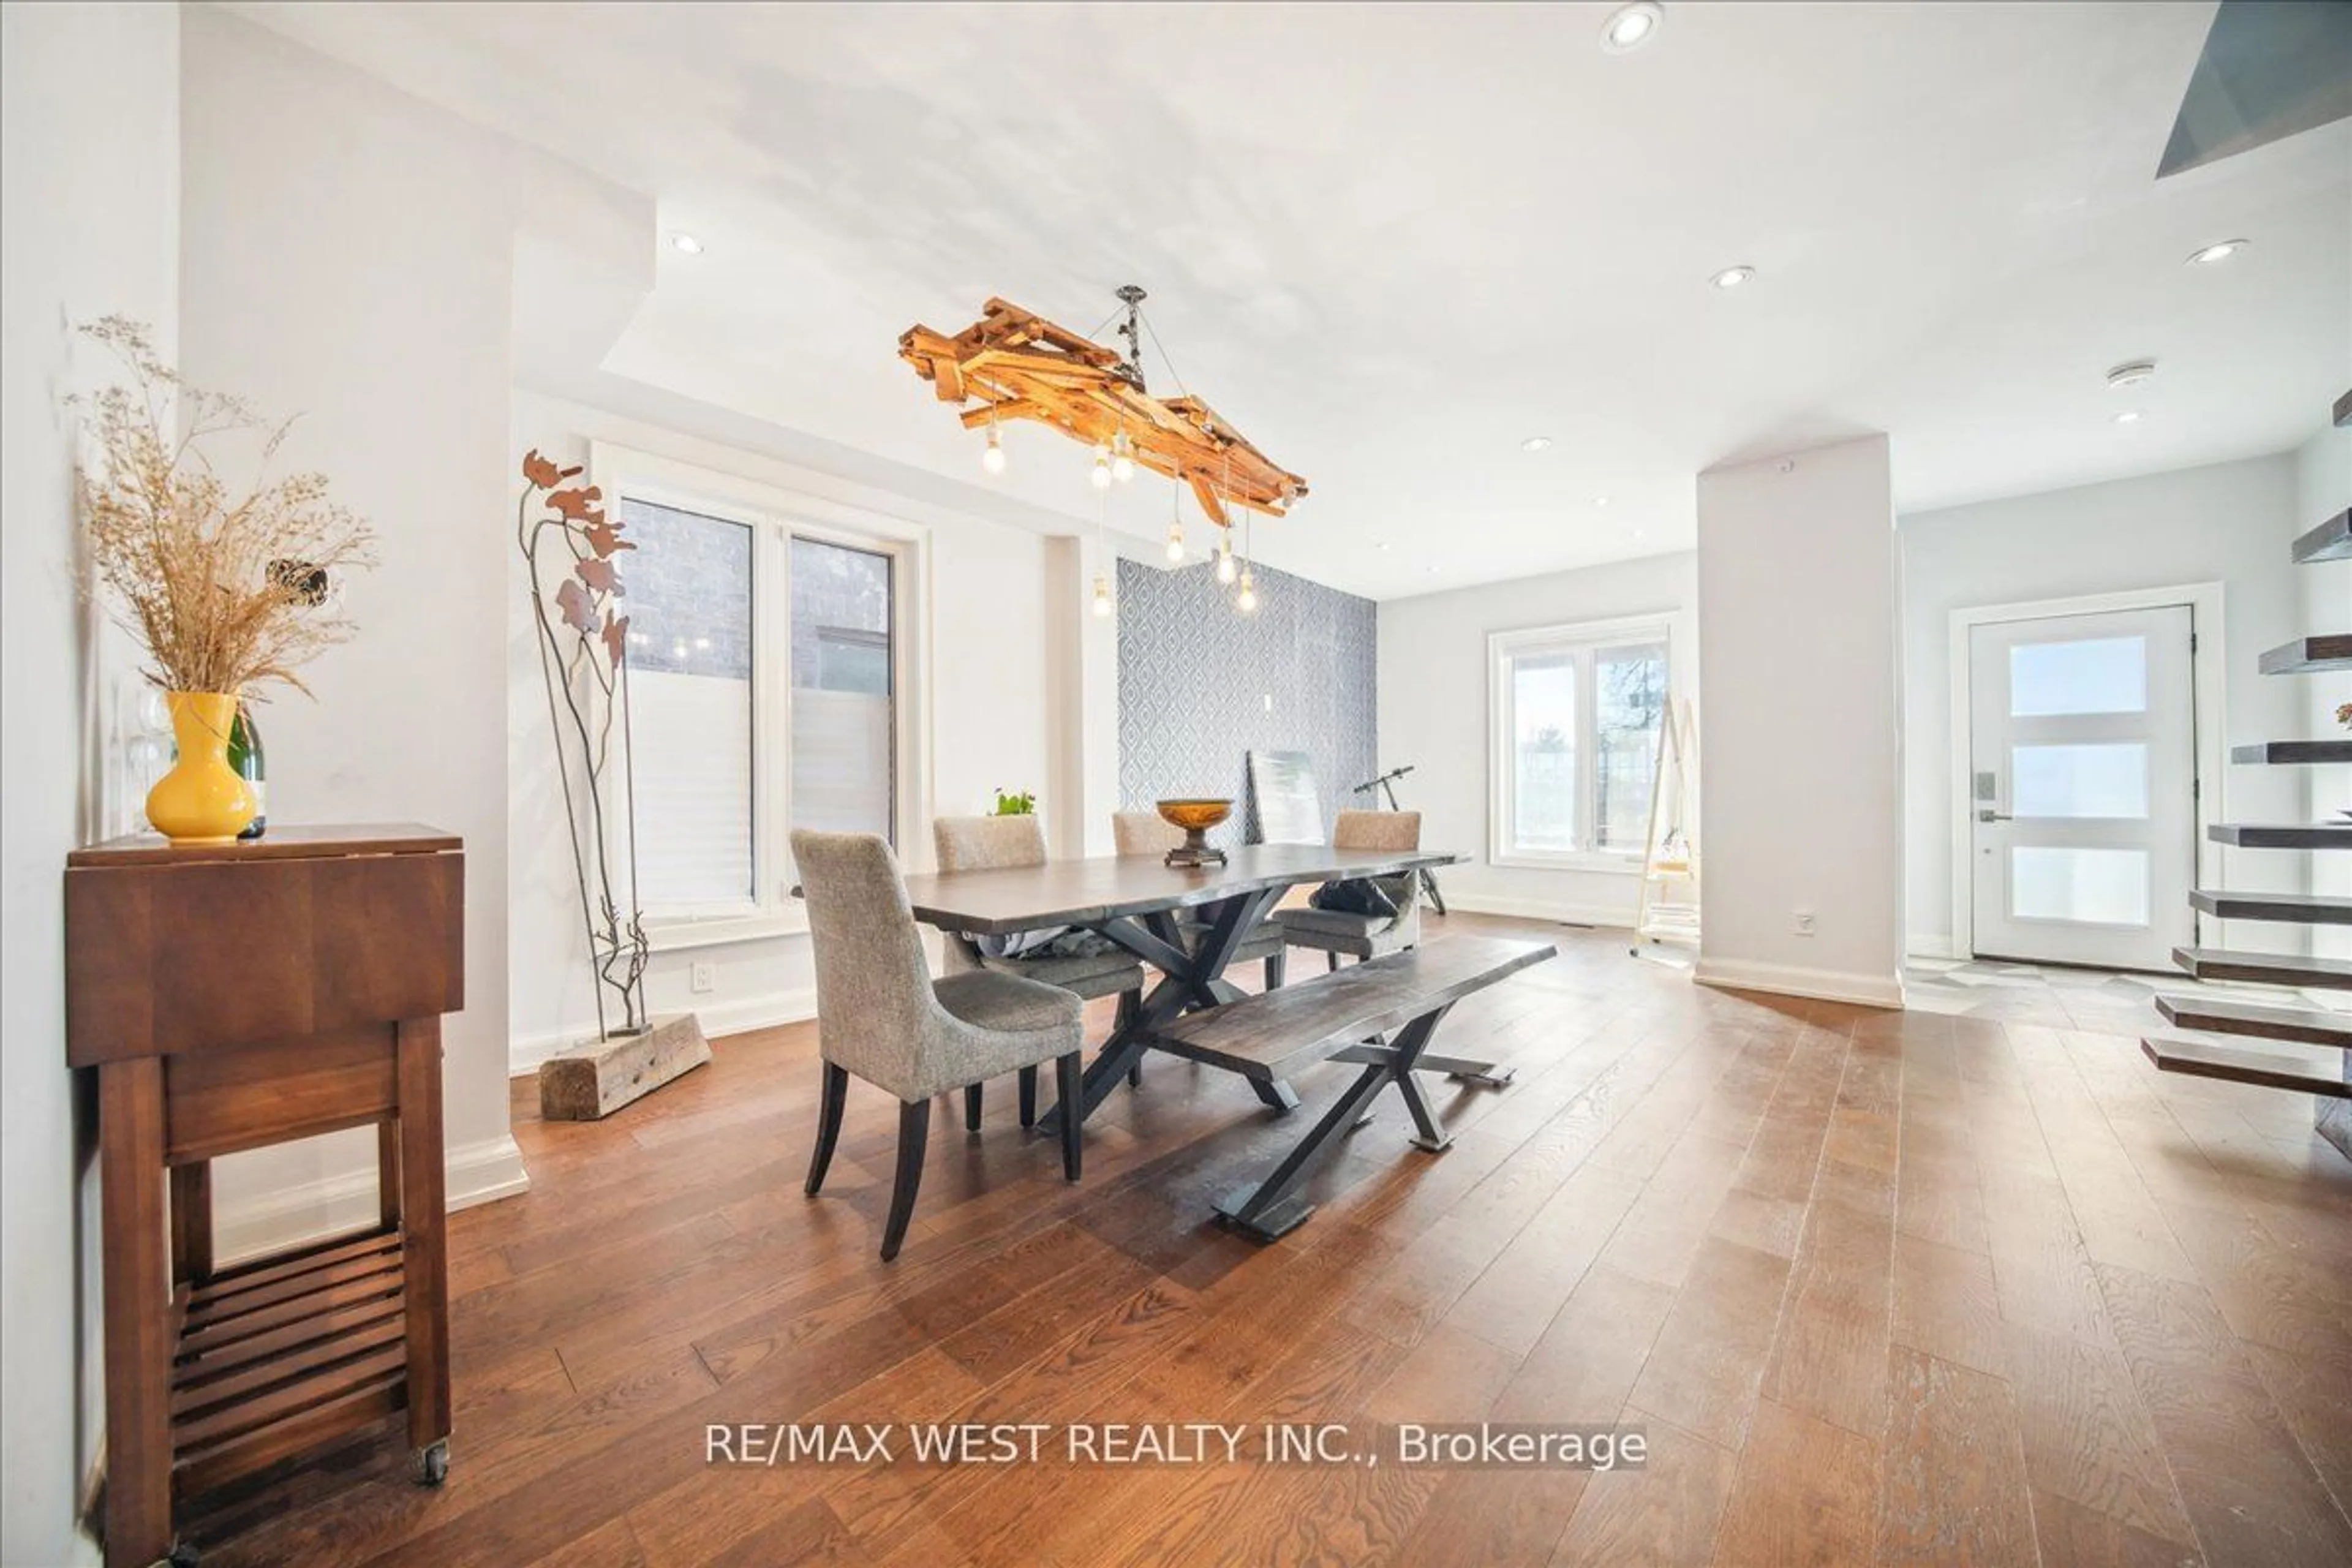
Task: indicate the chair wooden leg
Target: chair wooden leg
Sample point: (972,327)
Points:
(1333,960)
(1067,1085)
(1128,1001)
(1274,965)
(914,1132)
(1029,1096)
(971,1108)
(828,1124)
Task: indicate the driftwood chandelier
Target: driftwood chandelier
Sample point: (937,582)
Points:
(1013,364)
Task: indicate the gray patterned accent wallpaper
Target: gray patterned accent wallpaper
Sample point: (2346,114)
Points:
(1194,677)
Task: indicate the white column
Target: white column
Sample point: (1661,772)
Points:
(1798,662)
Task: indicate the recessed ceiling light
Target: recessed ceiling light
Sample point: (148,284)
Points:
(1535,443)
(2129,416)
(1384,544)
(2131,373)
(1732,277)
(1599,500)
(1631,26)
(686,243)
(2214,253)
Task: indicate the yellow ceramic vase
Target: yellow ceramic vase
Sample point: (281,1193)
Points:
(202,800)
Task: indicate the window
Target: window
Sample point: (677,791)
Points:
(1577,713)
(690,583)
(766,671)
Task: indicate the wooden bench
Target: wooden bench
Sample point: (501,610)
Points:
(1379,1014)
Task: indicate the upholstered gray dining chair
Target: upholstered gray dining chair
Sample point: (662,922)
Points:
(1335,932)
(994,843)
(1149,833)
(882,1016)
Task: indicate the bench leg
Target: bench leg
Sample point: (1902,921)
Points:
(1271,1209)
(1462,1070)
(1486,1075)
(1278,1096)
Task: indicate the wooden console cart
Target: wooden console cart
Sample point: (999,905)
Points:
(232,997)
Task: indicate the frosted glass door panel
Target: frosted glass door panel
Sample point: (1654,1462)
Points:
(2093,887)
(2090,675)
(2081,781)
(2079,798)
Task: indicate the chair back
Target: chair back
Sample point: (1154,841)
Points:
(988,843)
(1144,833)
(873,992)
(1376,830)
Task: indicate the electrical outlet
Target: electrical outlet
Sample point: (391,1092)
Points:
(703,978)
(1269,702)
(1804,921)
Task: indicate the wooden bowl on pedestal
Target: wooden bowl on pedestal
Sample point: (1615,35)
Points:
(1195,818)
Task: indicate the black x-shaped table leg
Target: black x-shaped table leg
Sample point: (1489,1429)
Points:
(1193,978)
(1273,1208)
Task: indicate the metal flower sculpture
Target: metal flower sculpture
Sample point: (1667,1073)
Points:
(583,655)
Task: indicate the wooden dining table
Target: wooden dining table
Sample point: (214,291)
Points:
(1136,902)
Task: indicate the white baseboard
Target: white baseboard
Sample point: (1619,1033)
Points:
(1930,944)
(1792,980)
(1614,917)
(478,1174)
(717,1019)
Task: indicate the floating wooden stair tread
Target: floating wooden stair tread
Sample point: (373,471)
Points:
(2264,1068)
(2308,656)
(2265,968)
(2218,1017)
(2283,834)
(2295,909)
(2286,752)
(2331,541)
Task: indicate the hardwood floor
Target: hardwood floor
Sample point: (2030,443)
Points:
(1956,1287)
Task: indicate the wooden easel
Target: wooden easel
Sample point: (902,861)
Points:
(1670,850)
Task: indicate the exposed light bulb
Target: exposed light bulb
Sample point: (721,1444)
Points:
(1102,596)
(992,456)
(1101,476)
(1176,544)
(1122,462)
(1225,568)
(1246,600)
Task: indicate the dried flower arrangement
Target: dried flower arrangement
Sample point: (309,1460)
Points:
(223,590)
(583,655)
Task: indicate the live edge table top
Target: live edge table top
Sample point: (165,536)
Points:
(1091,891)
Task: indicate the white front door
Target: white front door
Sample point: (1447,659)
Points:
(2082,763)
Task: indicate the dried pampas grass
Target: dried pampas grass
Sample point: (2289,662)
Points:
(223,589)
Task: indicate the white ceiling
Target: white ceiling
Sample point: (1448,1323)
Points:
(1390,242)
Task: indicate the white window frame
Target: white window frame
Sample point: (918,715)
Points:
(776,516)
(1581,639)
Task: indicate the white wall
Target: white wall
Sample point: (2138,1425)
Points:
(2226,523)
(1434,709)
(995,684)
(1798,661)
(346,254)
(89,172)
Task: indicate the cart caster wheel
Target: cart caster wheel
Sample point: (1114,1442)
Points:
(429,1467)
